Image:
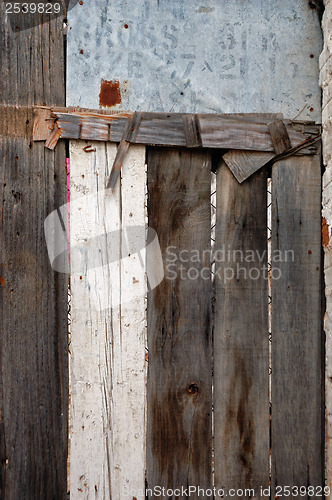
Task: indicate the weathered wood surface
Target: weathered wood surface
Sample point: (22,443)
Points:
(108,329)
(121,153)
(241,133)
(243,164)
(33,298)
(248,132)
(240,352)
(297,339)
(279,136)
(179,338)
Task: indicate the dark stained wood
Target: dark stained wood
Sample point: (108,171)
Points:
(179,370)
(33,298)
(297,338)
(240,348)
(279,136)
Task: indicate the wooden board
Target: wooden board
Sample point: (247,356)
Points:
(179,339)
(241,133)
(240,349)
(297,349)
(243,164)
(33,298)
(108,330)
(246,132)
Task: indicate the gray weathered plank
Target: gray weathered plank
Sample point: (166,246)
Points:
(33,298)
(245,163)
(297,352)
(240,352)
(179,370)
(248,132)
(240,133)
(279,136)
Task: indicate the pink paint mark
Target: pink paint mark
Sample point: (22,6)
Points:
(68,188)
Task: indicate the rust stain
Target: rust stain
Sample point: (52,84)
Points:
(2,281)
(325,233)
(110,94)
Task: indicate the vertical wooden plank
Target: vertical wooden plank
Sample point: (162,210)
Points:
(297,353)
(179,342)
(33,297)
(241,399)
(108,327)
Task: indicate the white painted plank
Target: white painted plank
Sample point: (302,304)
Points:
(108,327)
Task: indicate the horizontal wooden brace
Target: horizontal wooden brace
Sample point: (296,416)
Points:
(237,131)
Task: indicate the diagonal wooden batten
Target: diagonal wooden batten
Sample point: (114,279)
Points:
(129,135)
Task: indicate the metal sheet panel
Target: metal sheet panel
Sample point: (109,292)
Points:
(223,56)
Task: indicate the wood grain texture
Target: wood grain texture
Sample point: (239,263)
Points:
(248,132)
(297,353)
(33,298)
(241,396)
(179,341)
(241,133)
(108,332)
(279,136)
(243,164)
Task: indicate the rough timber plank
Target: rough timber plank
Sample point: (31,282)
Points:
(279,136)
(245,163)
(33,298)
(179,372)
(108,328)
(297,354)
(241,399)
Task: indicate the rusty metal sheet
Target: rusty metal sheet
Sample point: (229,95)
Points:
(196,56)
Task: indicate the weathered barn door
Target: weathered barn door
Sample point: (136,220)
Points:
(234,394)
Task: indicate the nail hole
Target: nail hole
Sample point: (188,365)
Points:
(193,388)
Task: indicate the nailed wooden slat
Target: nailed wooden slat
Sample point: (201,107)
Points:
(162,129)
(297,339)
(108,336)
(240,349)
(279,136)
(191,130)
(245,163)
(179,341)
(218,132)
(134,127)
(43,124)
(245,132)
(33,297)
(53,138)
(120,155)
